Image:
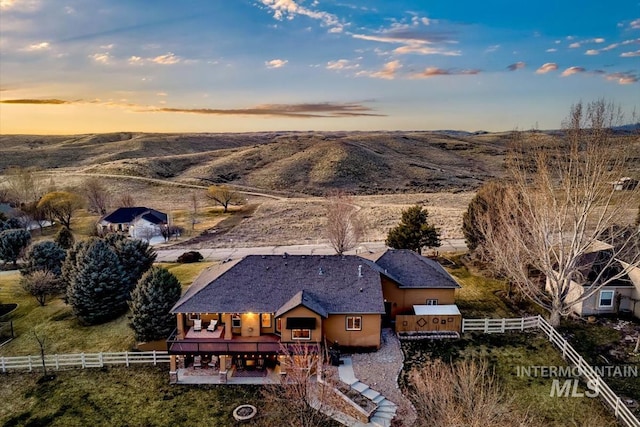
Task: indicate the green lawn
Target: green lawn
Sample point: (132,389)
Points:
(138,396)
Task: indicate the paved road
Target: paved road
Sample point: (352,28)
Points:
(217,254)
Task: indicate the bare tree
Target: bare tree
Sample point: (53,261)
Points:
(126,201)
(345,226)
(41,343)
(560,206)
(194,211)
(97,194)
(297,399)
(42,284)
(23,185)
(223,195)
(464,394)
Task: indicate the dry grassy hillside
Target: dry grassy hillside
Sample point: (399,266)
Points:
(301,162)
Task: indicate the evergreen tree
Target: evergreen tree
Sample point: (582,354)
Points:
(136,257)
(152,298)
(482,207)
(44,256)
(11,224)
(414,231)
(95,291)
(12,243)
(68,270)
(64,238)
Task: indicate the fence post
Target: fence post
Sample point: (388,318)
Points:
(154,358)
(126,358)
(82,360)
(486,326)
(100,359)
(30,367)
(564,349)
(57,362)
(522,323)
(4,368)
(504,324)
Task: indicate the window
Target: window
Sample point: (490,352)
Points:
(278,324)
(354,323)
(236,322)
(301,334)
(432,302)
(265,320)
(194,316)
(606,299)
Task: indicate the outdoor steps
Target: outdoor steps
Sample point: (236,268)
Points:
(386,409)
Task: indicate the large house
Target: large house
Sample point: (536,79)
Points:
(246,311)
(139,222)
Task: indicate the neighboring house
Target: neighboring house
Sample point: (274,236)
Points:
(139,222)
(249,309)
(625,184)
(621,295)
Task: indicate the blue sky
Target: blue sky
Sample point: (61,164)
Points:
(218,66)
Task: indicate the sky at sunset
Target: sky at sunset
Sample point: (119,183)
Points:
(82,66)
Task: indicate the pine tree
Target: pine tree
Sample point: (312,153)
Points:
(96,292)
(12,243)
(64,238)
(136,257)
(44,256)
(152,298)
(414,231)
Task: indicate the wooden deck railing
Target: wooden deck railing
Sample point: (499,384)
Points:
(595,381)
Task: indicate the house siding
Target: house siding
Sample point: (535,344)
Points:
(403,300)
(316,334)
(335,329)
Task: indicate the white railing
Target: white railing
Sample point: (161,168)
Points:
(595,381)
(82,360)
(489,326)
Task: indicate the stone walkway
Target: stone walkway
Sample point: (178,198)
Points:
(380,371)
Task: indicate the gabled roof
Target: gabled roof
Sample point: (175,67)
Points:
(272,283)
(411,270)
(304,299)
(127,215)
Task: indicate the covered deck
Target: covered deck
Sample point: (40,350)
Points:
(204,341)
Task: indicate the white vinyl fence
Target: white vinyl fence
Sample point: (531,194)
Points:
(489,326)
(82,360)
(621,411)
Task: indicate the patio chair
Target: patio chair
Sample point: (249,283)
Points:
(197,361)
(197,324)
(212,326)
(260,364)
(239,364)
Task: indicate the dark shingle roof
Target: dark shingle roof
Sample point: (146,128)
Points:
(126,215)
(412,270)
(331,284)
(305,299)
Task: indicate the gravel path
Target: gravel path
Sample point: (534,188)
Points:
(380,371)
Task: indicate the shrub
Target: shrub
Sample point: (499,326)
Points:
(190,256)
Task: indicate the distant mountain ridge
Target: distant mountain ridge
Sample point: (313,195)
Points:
(302,162)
